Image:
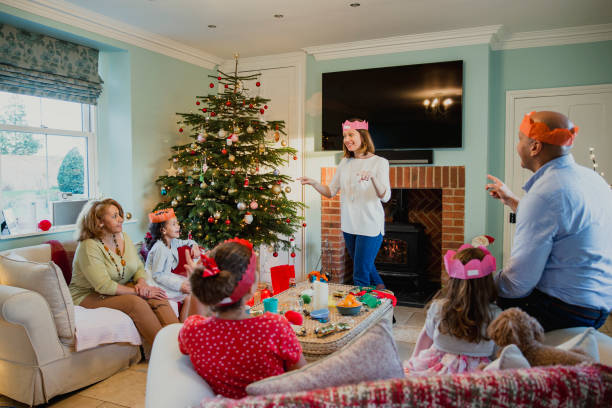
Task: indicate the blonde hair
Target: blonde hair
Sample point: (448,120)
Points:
(367,145)
(90,217)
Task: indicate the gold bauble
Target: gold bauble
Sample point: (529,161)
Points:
(231,191)
(217,215)
(128,215)
(283,143)
(203,185)
(287,189)
(236,129)
(194,146)
(231,157)
(276,189)
(250,129)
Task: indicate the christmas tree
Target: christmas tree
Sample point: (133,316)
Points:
(226,183)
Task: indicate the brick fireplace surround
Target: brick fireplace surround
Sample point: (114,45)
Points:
(449,179)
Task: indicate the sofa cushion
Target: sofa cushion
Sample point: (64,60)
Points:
(604,342)
(586,385)
(584,342)
(47,280)
(371,356)
(510,357)
(62,258)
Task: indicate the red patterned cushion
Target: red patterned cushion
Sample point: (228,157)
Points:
(559,386)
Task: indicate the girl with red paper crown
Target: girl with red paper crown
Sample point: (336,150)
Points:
(363,178)
(233,349)
(454,337)
(163,257)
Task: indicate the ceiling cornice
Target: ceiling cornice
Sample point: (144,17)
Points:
(560,36)
(75,16)
(403,43)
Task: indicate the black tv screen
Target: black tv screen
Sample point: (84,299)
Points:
(407,107)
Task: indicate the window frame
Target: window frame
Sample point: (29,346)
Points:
(88,116)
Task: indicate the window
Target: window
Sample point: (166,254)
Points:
(47,151)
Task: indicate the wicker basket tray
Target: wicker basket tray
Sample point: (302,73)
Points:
(315,347)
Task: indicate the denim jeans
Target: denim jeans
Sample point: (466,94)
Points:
(363,251)
(553,313)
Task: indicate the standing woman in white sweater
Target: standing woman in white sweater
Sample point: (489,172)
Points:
(363,178)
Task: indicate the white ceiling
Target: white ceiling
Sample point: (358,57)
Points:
(248,26)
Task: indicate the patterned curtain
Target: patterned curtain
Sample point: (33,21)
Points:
(38,65)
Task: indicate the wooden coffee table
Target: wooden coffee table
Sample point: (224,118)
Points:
(315,347)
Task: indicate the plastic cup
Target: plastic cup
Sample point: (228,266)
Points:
(270,305)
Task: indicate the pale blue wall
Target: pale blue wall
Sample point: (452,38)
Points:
(136,117)
(472,155)
(535,68)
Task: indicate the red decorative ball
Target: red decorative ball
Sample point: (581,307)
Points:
(261,111)
(44,225)
(224,151)
(193,152)
(250,105)
(181,130)
(213,114)
(257,83)
(291,239)
(219,78)
(293,254)
(261,188)
(212,85)
(211,220)
(265,106)
(204,110)
(304,224)
(227,222)
(275,254)
(228,103)
(288,220)
(278,181)
(197,102)
(295,157)
(232,172)
(226,86)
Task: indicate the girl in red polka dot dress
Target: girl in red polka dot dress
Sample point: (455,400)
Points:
(232,349)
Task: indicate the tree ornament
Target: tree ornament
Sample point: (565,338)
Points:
(193,152)
(246,182)
(293,254)
(180,170)
(198,198)
(203,185)
(276,189)
(253,205)
(164,191)
(174,203)
(250,129)
(228,141)
(224,151)
(175,159)
(241,206)
(258,83)
(283,143)
(213,114)
(197,102)
(201,137)
(228,103)
(261,187)
(181,130)
(171,171)
(204,110)
(226,86)
(275,254)
(291,240)
(288,220)
(260,111)
(287,189)
(231,191)
(211,220)
(217,215)
(231,157)
(250,106)
(233,172)
(211,85)
(236,129)
(234,137)
(303,224)
(248,218)
(265,106)
(190,182)
(227,222)
(44,225)
(276,172)
(179,197)
(219,78)
(295,157)
(222,133)
(276,136)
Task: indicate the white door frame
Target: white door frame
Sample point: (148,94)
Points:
(298,61)
(510,152)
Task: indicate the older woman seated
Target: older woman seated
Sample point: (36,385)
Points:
(107,271)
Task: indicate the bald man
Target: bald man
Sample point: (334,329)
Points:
(560,270)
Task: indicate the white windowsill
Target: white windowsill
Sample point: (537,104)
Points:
(52,230)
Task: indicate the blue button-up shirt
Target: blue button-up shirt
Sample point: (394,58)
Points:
(563,240)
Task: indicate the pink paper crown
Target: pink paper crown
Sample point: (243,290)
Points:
(354,125)
(474,269)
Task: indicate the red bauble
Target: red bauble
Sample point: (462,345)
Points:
(44,225)
(219,78)
(227,222)
(232,172)
(275,254)
(228,103)
(304,224)
(213,114)
(257,83)
(250,105)
(288,220)
(291,239)
(265,106)
(211,220)
(226,86)
(212,85)
(261,111)
(224,151)
(193,152)
(293,254)
(197,102)
(246,182)
(278,181)
(261,188)
(181,130)
(295,157)
(204,110)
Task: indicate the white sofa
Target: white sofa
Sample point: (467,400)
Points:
(172,381)
(37,359)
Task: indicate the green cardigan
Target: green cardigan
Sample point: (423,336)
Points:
(93,269)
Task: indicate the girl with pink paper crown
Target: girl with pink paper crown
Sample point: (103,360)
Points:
(454,337)
(233,349)
(363,179)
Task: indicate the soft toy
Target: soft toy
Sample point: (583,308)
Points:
(514,326)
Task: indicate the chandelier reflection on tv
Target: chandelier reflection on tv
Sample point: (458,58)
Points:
(437,105)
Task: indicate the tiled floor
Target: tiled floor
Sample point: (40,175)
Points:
(127,388)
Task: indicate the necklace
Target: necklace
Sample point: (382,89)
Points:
(118,252)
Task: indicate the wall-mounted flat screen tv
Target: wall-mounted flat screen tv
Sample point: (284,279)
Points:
(407,107)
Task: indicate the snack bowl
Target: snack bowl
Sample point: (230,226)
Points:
(349,311)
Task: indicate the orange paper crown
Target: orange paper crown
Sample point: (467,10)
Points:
(162,215)
(541,132)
